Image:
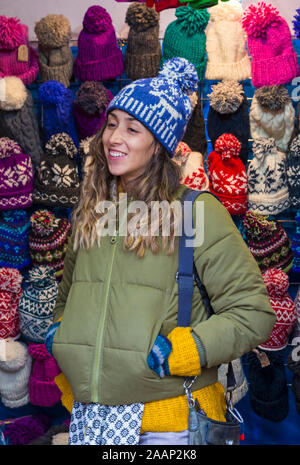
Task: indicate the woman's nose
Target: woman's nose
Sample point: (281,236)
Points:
(116,136)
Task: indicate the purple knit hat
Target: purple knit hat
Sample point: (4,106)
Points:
(16,176)
(99,57)
(90,104)
(42,388)
(274,60)
(17,58)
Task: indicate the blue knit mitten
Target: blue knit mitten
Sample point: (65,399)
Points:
(158,357)
(50,336)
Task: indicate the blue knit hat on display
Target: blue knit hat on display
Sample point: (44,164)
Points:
(14,240)
(57,105)
(162,103)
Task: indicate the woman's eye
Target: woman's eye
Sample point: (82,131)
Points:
(132,130)
(111,125)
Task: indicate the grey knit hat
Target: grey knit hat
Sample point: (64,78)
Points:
(55,56)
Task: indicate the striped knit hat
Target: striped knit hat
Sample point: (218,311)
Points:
(14,245)
(10,293)
(37,303)
(48,240)
(268,242)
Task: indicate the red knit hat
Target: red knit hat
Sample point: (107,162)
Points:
(227,174)
(10,293)
(193,172)
(277,284)
(161,5)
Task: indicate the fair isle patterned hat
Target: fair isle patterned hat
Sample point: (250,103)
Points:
(37,303)
(161,104)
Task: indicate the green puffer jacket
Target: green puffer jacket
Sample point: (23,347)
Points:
(114,304)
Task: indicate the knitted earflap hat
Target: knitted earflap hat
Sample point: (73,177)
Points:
(225,43)
(99,57)
(143,50)
(268,242)
(293,171)
(55,56)
(89,107)
(14,245)
(267,180)
(18,120)
(277,284)
(273,59)
(48,240)
(268,391)
(185,37)
(16,181)
(229,113)
(227,174)
(161,104)
(37,303)
(14,374)
(194,135)
(17,58)
(161,5)
(57,110)
(57,182)
(193,172)
(272,115)
(42,388)
(10,293)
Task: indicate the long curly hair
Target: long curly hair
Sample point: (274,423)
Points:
(159,182)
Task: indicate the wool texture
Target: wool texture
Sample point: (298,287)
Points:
(191,163)
(14,243)
(194,135)
(295,245)
(225,43)
(18,120)
(98,57)
(143,50)
(185,37)
(56,435)
(10,293)
(161,5)
(293,172)
(17,58)
(268,192)
(273,59)
(21,431)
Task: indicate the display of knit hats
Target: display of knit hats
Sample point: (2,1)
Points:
(241,387)
(227,174)
(16,176)
(14,244)
(143,51)
(277,284)
(268,391)
(99,57)
(14,374)
(48,240)
(193,172)
(185,37)
(57,110)
(225,43)
(42,388)
(17,58)
(21,431)
(296,24)
(273,59)
(268,192)
(57,435)
(272,115)
(293,171)
(295,245)
(53,32)
(161,5)
(37,303)
(268,242)
(10,293)
(57,182)
(90,103)
(229,113)
(194,135)
(18,120)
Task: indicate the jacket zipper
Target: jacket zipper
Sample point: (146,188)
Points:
(99,341)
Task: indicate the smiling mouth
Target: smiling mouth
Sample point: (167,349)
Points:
(113,155)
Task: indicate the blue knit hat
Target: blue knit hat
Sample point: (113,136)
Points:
(14,241)
(57,104)
(162,103)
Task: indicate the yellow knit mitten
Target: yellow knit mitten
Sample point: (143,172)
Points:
(184,359)
(67,398)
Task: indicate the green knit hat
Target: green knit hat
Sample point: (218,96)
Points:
(201,3)
(185,37)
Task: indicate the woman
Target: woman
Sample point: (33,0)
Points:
(117,303)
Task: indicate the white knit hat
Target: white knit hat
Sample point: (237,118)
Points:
(14,374)
(272,115)
(267,180)
(226,43)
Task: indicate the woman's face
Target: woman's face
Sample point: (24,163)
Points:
(128,145)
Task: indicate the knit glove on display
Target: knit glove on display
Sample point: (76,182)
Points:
(50,336)
(178,354)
